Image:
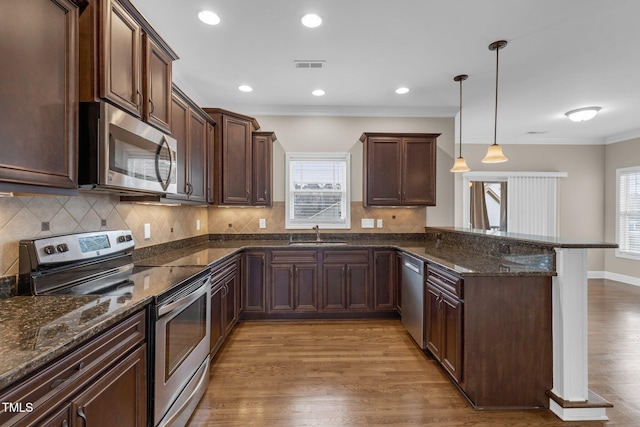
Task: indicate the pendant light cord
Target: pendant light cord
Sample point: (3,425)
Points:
(460,131)
(495,113)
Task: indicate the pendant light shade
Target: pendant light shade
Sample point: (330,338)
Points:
(494,153)
(460,165)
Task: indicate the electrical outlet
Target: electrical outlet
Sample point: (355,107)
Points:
(379,223)
(147,231)
(262,223)
(367,223)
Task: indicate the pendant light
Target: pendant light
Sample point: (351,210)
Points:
(494,153)
(460,165)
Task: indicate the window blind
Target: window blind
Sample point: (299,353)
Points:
(629,211)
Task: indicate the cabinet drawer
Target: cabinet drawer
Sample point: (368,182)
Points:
(294,256)
(346,256)
(224,269)
(58,381)
(447,281)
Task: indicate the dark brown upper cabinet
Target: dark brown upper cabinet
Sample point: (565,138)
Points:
(242,161)
(262,177)
(190,127)
(39,108)
(157,86)
(124,60)
(399,169)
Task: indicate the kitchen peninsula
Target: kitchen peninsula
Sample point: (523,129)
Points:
(508,288)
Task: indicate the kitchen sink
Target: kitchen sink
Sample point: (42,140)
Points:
(318,243)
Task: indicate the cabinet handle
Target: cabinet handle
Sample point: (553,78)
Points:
(153,107)
(248,194)
(82,415)
(139,103)
(295,271)
(65,423)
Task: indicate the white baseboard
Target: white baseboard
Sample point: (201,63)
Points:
(629,280)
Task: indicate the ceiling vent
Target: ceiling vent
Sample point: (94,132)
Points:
(307,64)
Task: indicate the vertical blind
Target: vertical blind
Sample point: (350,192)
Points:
(532,205)
(629,211)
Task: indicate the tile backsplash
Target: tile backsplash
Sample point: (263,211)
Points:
(23,217)
(246,220)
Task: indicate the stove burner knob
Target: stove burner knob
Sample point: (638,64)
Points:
(49,250)
(121,239)
(62,247)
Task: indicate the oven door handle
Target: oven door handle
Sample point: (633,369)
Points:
(184,301)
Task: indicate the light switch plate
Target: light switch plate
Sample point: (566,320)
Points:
(197,224)
(262,223)
(367,223)
(379,223)
(147,231)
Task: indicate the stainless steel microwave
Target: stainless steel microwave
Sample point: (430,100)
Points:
(121,153)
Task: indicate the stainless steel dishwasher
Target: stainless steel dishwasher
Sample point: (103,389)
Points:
(413,298)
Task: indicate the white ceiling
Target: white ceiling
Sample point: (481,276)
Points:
(561,55)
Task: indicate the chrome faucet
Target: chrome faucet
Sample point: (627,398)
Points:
(317,230)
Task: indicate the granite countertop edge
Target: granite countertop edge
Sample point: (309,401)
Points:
(32,365)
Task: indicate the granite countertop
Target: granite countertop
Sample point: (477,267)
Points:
(454,258)
(35,330)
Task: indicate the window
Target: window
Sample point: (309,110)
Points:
(628,215)
(317,190)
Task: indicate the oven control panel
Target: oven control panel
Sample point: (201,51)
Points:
(82,246)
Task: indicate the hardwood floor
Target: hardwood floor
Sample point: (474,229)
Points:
(370,373)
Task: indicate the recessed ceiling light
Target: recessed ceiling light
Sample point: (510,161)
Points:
(402,90)
(582,114)
(318,92)
(245,88)
(311,20)
(208,17)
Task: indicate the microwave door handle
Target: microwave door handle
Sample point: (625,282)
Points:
(165,142)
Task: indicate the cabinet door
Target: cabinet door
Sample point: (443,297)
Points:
(433,319)
(419,171)
(383,171)
(211,164)
(262,148)
(180,129)
(384,276)
(305,287)
(231,284)
(281,287)
(255,281)
(357,285)
(236,161)
(333,287)
(197,160)
(121,61)
(39,108)
(157,86)
(217,314)
(451,354)
(398,279)
(118,398)
(62,418)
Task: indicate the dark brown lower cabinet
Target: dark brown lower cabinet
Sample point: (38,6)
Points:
(398,282)
(255,277)
(345,280)
(225,304)
(294,288)
(384,279)
(444,329)
(116,399)
(493,335)
(100,383)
